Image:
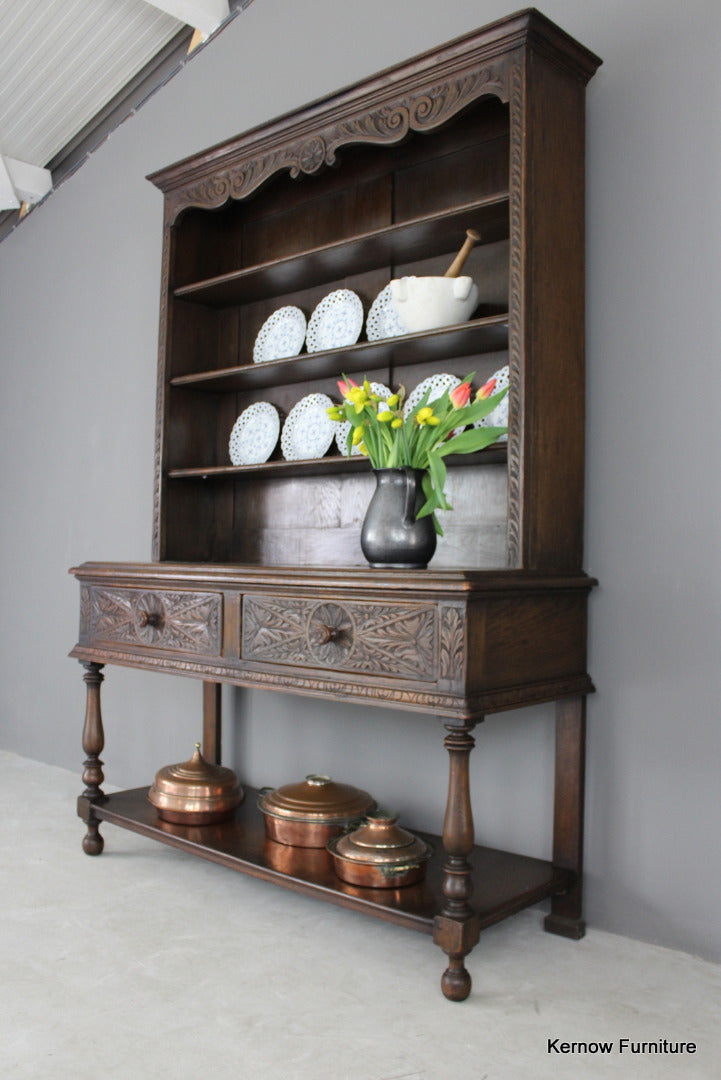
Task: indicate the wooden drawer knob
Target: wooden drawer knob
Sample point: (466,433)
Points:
(151,618)
(325,634)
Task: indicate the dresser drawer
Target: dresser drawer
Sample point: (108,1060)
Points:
(390,640)
(189,622)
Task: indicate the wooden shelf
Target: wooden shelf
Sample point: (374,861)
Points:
(488,334)
(503,882)
(423,237)
(334,463)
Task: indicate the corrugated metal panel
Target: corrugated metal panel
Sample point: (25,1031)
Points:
(61,61)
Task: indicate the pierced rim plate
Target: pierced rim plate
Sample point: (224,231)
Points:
(437,384)
(383,320)
(281,335)
(255,434)
(336,321)
(308,430)
(499,416)
(343,426)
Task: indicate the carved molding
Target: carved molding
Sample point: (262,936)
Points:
(455,708)
(381,639)
(515,325)
(163,331)
(186,621)
(307,153)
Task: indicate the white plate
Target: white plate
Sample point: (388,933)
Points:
(383,320)
(499,416)
(255,434)
(308,430)
(336,322)
(437,384)
(343,426)
(281,335)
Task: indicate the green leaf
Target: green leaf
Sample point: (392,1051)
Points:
(469,442)
(479,409)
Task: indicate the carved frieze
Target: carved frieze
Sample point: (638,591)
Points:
(389,123)
(186,621)
(397,640)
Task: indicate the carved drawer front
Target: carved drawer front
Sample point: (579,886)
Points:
(185,621)
(396,640)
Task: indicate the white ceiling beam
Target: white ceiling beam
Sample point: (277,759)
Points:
(21,182)
(8,198)
(204,15)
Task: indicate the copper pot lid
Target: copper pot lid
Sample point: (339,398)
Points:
(196,785)
(318,798)
(380,841)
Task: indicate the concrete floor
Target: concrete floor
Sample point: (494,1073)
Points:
(148,963)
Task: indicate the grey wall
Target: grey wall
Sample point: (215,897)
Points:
(78,330)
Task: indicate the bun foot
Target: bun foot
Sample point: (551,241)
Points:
(456,983)
(93,842)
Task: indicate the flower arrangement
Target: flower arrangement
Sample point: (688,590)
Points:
(421,440)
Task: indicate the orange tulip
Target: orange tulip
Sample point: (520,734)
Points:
(460,395)
(486,390)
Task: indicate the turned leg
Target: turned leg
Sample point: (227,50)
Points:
(93,742)
(456,929)
(567,908)
(212,722)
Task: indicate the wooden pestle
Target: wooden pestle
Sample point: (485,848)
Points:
(472,237)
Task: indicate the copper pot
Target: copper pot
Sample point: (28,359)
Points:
(195,792)
(310,813)
(380,855)
(304,862)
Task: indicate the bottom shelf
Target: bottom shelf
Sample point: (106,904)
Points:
(504,883)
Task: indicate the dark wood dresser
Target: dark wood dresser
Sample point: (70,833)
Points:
(257,576)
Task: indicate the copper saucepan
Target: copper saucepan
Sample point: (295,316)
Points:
(310,813)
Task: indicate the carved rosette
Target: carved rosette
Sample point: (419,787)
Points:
(382,639)
(330,634)
(420,111)
(187,621)
(312,155)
